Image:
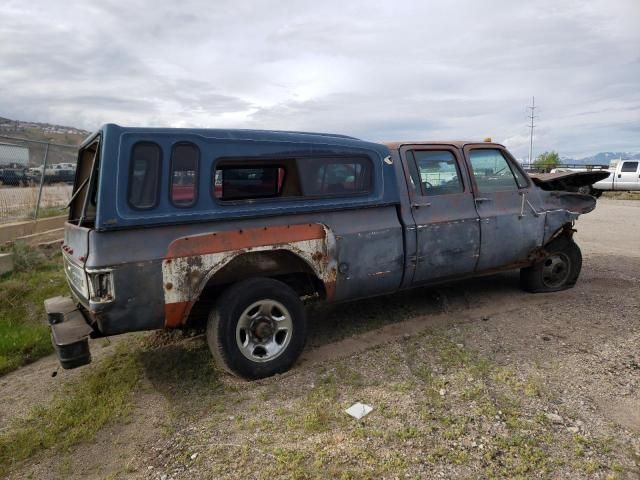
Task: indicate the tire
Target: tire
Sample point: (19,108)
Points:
(558,271)
(258,328)
(596,193)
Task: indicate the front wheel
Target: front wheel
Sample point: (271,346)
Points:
(559,270)
(257,328)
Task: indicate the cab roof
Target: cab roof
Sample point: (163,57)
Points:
(234,134)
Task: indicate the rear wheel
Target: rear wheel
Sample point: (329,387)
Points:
(257,328)
(559,270)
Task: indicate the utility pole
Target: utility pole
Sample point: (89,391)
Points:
(531,125)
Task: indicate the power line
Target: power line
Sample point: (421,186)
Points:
(531,125)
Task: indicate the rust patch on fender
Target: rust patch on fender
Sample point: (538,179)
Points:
(238,239)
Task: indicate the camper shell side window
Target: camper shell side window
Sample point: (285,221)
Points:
(183,177)
(308,177)
(145,175)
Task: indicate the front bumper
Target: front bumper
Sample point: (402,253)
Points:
(70,332)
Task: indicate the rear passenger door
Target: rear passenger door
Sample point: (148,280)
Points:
(509,229)
(442,204)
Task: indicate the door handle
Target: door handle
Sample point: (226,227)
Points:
(482,199)
(418,205)
(619,175)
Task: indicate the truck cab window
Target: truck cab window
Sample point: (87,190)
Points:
(492,172)
(144,175)
(629,167)
(438,172)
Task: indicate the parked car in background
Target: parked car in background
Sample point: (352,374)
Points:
(14,177)
(621,175)
(236,230)
(55,173)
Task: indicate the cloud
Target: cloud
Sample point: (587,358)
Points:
(377,70)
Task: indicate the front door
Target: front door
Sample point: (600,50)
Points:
(448,234)
(628,177)
(510,230)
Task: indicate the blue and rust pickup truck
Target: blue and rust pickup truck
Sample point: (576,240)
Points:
(238,229)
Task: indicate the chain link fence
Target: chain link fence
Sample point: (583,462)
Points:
(36,178)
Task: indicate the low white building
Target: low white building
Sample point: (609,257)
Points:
(13,154)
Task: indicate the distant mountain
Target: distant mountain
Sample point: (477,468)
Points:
(602,158)
(43,132)
(10,130)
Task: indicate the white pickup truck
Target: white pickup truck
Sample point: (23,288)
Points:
(624,176)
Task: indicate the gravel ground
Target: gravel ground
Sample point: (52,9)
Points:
(473,380)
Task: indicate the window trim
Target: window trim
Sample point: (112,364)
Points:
(264,162)
(420,190)
(158,181)
(196,185)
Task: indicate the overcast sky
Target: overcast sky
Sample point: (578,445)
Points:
(392,70)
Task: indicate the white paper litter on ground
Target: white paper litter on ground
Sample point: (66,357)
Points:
(359,410)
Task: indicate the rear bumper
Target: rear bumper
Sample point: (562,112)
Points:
(70,332)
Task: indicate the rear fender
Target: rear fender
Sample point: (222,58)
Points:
(192,261)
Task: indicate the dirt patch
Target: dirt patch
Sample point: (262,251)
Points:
(120,450)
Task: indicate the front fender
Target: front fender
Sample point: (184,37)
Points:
(562,208)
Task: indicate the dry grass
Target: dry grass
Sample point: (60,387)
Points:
(622,195)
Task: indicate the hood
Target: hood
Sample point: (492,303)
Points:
(568,181)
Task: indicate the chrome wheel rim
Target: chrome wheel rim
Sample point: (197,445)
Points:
(264,330)
(555,270)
